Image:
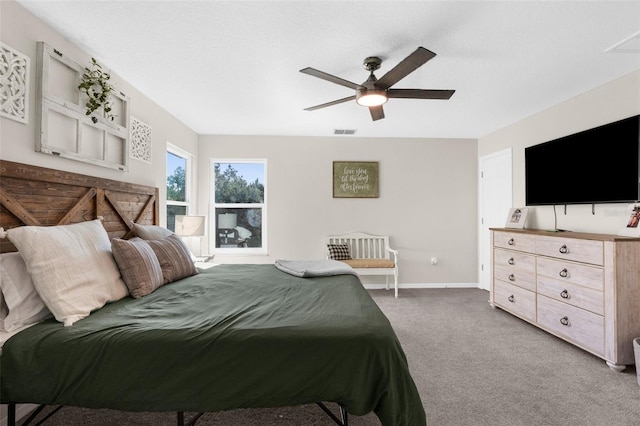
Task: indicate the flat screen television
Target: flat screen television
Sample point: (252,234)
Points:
(599,165)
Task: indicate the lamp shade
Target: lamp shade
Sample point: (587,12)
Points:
(190,226)
(227,221)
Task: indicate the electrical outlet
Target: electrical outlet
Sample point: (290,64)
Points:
(434,260)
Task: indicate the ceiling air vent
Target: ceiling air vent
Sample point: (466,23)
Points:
(344,132)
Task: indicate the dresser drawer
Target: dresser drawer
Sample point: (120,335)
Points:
(520,278)
(584,328)
(519,301)
(515,241)
(587,251)
(514,260)
(584,275)
(575,295)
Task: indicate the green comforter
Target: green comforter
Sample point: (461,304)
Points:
(233,336)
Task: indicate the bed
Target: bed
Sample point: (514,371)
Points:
(230,336)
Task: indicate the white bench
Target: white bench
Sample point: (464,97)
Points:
(370,255)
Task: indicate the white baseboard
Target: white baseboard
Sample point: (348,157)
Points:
(21,411)
(423,285)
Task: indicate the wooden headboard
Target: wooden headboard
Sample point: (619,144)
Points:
(31,195)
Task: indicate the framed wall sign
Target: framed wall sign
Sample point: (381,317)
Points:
(355,179)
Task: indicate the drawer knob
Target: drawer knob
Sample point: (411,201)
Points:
(564,294)
(511,299)
(512,277)
(511,242)
(564,321)
(511,261)
(564,273)
(564,249)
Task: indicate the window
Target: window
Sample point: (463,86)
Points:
(178,184)
(239,206)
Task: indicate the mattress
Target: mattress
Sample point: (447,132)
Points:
(233,336)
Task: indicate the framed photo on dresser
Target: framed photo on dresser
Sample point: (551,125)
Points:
(517,218)
(631,226)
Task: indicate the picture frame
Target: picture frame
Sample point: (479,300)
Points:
(517,217)
(355,179)
(631,225)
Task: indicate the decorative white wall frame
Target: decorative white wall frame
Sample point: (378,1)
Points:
(140,145)
(14,84)
(64,128)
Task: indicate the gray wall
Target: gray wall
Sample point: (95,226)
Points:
(427,202)
(613,101)
(427,186)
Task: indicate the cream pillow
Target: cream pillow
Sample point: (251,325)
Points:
(150,232)
(22,305)
(72,267)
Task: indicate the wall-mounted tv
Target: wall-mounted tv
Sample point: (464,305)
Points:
(599,165)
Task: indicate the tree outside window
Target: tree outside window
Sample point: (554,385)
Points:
(177,185)
(239,205)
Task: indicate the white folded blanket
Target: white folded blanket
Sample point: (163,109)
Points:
(314,268)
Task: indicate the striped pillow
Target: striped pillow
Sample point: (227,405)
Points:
(174,258)
(139,266)
(339,251)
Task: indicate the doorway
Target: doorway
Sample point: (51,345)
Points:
(495,199)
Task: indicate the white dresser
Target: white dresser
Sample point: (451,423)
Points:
(581,287)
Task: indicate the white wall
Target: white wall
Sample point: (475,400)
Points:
(427,202)
(21,30)
(613,101)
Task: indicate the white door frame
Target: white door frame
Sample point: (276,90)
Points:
(490,210)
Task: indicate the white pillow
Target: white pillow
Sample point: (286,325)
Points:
(24,305)
(4,310)
(72,267)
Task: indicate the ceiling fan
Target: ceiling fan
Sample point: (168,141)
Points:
(373,93)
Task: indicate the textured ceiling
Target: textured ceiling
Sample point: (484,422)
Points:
(232,67)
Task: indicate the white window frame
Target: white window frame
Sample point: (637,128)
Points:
(213,225)
(188,179)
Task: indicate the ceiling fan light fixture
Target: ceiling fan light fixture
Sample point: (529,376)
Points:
(371,97)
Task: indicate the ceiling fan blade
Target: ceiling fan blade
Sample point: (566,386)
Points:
(336,102)
(377,113)
(420,94)
(405,67)
(332,78)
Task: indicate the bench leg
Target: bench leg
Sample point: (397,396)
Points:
(386,278)
(395,278)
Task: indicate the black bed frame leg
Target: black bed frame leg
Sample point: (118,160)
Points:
(345,416)
(193,420)
(11,414)
(343,421)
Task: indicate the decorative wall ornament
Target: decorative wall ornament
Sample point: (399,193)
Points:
(14,84)
(64,129)
(140,144)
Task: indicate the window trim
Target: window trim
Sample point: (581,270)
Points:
(188,180)
(213,222)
